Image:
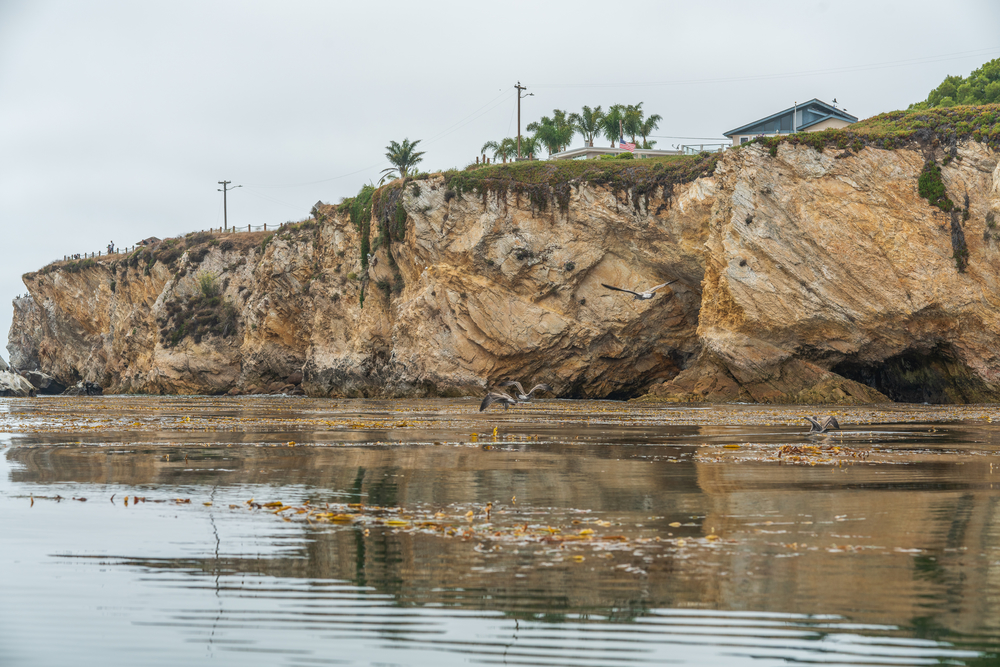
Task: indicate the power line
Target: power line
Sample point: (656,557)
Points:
(464,121)
(468,119)
(762,77)
(325,180)
(273,200)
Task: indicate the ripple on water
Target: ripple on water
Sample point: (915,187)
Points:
(616,534)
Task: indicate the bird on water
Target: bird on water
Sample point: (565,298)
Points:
(521,396)
(640,296)
(497,397)
(827,424)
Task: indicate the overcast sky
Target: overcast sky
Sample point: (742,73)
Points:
(117,119)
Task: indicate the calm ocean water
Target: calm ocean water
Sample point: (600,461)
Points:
(189,531)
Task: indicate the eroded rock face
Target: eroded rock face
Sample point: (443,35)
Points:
(479,290)
(829,279)
(802,277)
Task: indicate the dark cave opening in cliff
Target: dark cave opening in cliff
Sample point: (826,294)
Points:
(918,376)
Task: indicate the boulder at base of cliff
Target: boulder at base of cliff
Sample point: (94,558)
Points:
(740,368)
(12,384)
(45,384)
(84,389)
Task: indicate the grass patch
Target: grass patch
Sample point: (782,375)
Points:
(79,265)
(549,183)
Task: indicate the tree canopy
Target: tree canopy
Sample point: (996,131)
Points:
(506,149)
(587,123)
(403,157)
(982,86)
(554,133)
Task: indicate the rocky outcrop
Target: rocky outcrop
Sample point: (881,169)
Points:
(43,384)
(477,292)
(829,278)
(84,388)
(12,384)
(802,276)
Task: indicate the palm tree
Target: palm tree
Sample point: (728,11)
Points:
(530,145)
(402,156)
(504,149)
(632,120)
(648,127)
(588,123)
(610,123)
(555,133)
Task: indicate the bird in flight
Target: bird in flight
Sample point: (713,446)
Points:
(641,296)
(521,396)
(497,397)
(823,426)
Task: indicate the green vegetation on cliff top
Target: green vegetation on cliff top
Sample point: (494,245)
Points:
(982,86)
(542,182)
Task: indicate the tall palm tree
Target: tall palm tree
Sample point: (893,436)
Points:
(609,124)
(402,156)
(649,126)
(588,123)
(632,120)
(555,133)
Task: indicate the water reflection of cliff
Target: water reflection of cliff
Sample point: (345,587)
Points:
(552,475)
(920,540)
(915,544)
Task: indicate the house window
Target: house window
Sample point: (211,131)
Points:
(743,140)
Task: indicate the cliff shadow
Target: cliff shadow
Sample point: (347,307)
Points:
(921,376)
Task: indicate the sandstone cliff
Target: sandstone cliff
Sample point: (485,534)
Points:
(803,275)
(824,266)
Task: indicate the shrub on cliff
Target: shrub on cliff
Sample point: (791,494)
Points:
(931,187)
(169,254)
(208,283)
(197,316)
(77,266)
(197,238)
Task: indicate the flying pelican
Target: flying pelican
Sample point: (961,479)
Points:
(521,396)
(497,397)
(822,426)
(641,296)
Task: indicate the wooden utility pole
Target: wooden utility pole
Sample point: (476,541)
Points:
(224,190)
(519,89)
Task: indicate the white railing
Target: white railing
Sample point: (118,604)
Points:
(694,149)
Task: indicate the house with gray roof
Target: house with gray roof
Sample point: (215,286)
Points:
(811,116)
